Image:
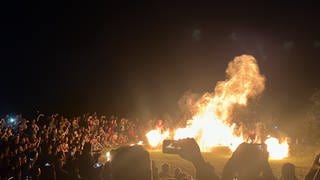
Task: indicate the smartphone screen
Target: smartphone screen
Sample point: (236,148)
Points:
(97,165)
(47,164)
(171,147)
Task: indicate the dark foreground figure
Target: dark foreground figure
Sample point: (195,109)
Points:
(248,162)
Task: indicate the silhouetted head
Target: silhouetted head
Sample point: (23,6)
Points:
(288,172)
(130,162)
(48,171)
(86,148)
(165,167)
(248,161)
(177,171)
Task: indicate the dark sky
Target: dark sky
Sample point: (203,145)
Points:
(137,59)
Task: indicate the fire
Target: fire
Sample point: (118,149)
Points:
(209,134)
(211,124)
(155,137)
(276,149)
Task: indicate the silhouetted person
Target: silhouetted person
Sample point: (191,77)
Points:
(164,173)
(33,166)
(48,172)
(248,162)
(314,172)
(288,172)
(60,172)
(14,171)
(106,173)
(86,162)
(177,173)
(130,162)
(155,171)
(190,151)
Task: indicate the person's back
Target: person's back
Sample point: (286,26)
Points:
(314,172)
(60,172)
(288,172)
(130,162)
(249,161)
(47,172)
(85,162)
(190,151)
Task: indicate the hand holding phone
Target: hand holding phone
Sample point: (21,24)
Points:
(188,149)
(171,147)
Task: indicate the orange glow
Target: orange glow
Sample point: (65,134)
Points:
(155,137)
(108,156)
(276,149)
(211,124)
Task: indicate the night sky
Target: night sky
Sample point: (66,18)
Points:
(138,59)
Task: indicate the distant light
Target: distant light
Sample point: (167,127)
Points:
(12,120)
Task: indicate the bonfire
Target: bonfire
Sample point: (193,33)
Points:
(212,123)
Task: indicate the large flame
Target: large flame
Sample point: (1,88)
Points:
(155,137)
(276,149)
(211,124)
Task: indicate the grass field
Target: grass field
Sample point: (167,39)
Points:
(302,158)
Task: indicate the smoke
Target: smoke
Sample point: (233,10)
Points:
(244,81)
(211,122)
(187,102)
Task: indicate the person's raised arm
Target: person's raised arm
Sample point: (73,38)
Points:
(190,151)
(314,170)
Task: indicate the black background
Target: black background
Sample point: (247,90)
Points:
(137,59)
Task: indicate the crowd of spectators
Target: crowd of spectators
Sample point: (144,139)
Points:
(29,147)
(55,147)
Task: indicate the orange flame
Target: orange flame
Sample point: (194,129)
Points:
(155,137)
(276,149)
(211,125)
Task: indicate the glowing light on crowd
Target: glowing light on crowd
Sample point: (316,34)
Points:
(211,124)
(108,156)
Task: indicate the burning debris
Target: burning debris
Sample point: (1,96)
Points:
(212,124)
